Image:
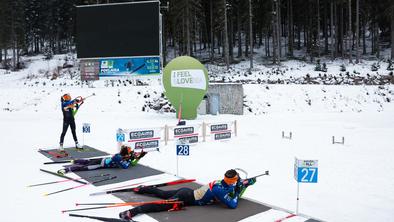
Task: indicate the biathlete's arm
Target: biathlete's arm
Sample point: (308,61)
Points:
(224,195)
(136,159)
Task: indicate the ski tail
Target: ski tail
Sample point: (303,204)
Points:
(57,162)
(82,185)
(66,180)
(63,176)
(97,218)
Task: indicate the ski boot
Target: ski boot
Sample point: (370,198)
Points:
(78,146)
(126,215)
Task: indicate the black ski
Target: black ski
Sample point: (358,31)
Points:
(71,188)
(107,219)
(154,185)
(56,174)
(57,162)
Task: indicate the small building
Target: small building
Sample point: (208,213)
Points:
(223,98)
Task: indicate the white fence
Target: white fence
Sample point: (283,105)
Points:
(146,138)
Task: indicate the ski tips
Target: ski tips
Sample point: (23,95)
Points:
(45,194)
(267,172)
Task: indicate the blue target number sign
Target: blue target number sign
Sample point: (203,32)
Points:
(307,175)
(86,128)
(182,150)
(120,137)
(306,171)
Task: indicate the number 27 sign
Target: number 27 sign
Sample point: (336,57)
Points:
(305,171)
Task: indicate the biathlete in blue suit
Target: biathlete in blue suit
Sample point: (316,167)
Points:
(124,159)
(69,109)
(226,191)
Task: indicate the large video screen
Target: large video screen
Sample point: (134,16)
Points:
(118,30)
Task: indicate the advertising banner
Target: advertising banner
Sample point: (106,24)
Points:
(185,82)
(137,66)
(143,138)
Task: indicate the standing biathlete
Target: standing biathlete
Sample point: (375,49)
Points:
(124,159)
(226,191)
(69,109)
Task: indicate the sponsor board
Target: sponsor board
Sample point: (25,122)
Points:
(222,136)
(219,127)
(147,144)
(183,130)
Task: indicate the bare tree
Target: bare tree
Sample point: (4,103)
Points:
(357,29)
(333,48)
(275,32)
(211,30)
(250,34)
(225,47)
(290,27)
(350,35)
(318,28)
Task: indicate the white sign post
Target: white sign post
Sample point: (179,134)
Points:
(305,171)
(182,149)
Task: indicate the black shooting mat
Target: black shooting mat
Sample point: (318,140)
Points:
(73,153)
(122,175)
(215,212)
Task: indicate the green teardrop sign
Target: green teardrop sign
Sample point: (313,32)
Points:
(185,82)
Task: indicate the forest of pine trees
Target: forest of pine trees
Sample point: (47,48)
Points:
(279,29)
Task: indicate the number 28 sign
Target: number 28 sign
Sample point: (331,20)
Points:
(305,171)
(182,150)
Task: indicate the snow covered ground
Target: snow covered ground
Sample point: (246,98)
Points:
(356,182)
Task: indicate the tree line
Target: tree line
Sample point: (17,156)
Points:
(222,31)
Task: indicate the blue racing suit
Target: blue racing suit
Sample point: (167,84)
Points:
(116,161)
(216,191)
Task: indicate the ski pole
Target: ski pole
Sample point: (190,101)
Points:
(60,181)
(125,204)
(71,188)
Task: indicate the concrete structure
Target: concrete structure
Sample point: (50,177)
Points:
(224,98)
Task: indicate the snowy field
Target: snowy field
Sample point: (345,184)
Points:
(356,182)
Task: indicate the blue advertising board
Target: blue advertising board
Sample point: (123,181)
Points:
(136,66)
